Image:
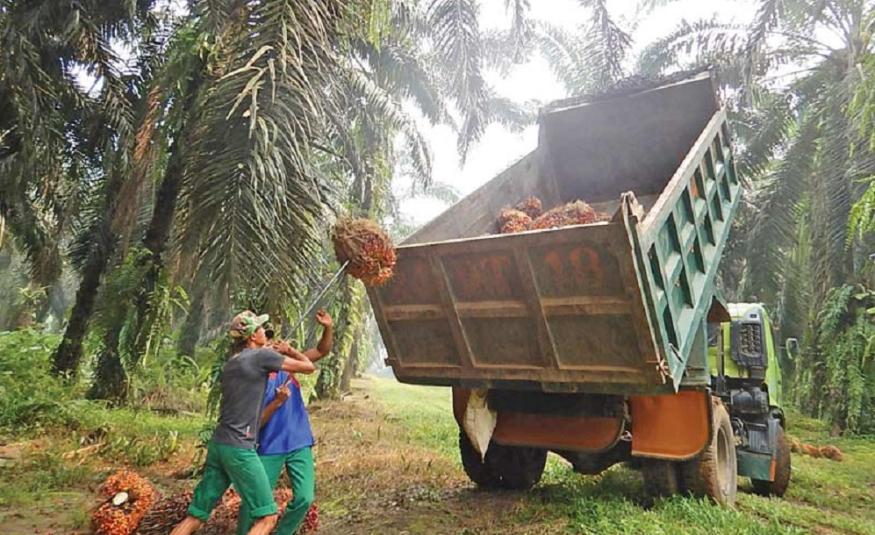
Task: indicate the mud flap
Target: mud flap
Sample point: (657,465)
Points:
(479,421)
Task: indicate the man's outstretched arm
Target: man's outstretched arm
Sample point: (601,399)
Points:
(297,363)
(326,342)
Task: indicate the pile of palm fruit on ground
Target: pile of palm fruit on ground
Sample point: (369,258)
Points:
(529,215)
(126,499)
(131,505)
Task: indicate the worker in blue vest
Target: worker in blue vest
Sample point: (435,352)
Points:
(285,438)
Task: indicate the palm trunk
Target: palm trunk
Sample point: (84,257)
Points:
(111,381)
(155,243)
(349,366)
(193,324)
(69,352)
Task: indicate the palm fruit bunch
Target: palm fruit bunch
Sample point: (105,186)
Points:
(573,213)
(531,207)
(128,497)
(511,220)
(311,520)
(367,248)
(166,513)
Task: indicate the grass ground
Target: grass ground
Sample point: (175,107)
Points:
(387,462)
(824,497)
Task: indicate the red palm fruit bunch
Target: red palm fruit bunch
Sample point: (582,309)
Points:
(128,497)
(511,220)
(573,213)
(367,248)
(531,207)
(311,520)
(166,513)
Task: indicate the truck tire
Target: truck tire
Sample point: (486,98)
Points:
(782,471)
(714,473)
(519,467)
(478,471)
(660,478)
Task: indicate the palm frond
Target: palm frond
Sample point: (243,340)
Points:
(608,43)
(508,113)
(565,55)
(773,227)
(520,29)
(455,32)
(831,196)
(400,69)
(646,6)
(441,191)
(706,41)
(762,131)
(251,205)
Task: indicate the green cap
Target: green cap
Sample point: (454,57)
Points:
(246,323)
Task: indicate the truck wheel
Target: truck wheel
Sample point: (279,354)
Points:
(782,471)
(478,471)
(714,473)
(519,467)
(660,477)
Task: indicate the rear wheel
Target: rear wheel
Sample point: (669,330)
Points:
(510,467)
(713,473)
(519,467)
(478,471)
(660,477)
(782,471)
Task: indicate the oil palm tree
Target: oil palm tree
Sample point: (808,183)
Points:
(237,193)
(792,77)
(60,138)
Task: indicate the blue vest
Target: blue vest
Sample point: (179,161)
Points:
(289,427)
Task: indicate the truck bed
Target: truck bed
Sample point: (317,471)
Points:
(610,307)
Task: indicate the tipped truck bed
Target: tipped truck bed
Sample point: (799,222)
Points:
(611,307)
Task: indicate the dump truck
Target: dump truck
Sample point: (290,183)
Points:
(605,342)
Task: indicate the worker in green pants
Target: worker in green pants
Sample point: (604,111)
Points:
(231,456)
(285,438)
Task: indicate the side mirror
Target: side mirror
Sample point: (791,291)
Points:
(792,347)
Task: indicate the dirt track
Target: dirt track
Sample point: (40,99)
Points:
(372,479)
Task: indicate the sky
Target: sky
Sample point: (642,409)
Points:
(533,81)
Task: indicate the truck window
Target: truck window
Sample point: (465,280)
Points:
(713,334)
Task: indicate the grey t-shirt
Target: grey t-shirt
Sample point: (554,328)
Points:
(243,380)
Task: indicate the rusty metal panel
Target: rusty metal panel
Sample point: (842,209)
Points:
(559,308)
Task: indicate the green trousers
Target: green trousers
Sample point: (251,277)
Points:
(302,474)
(230,464)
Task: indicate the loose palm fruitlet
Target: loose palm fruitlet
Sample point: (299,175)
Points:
(367,248)
(531,207)
(128,497)
(573,213)
(511,220)
(311,521)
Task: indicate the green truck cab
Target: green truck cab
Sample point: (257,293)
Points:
(745,370)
